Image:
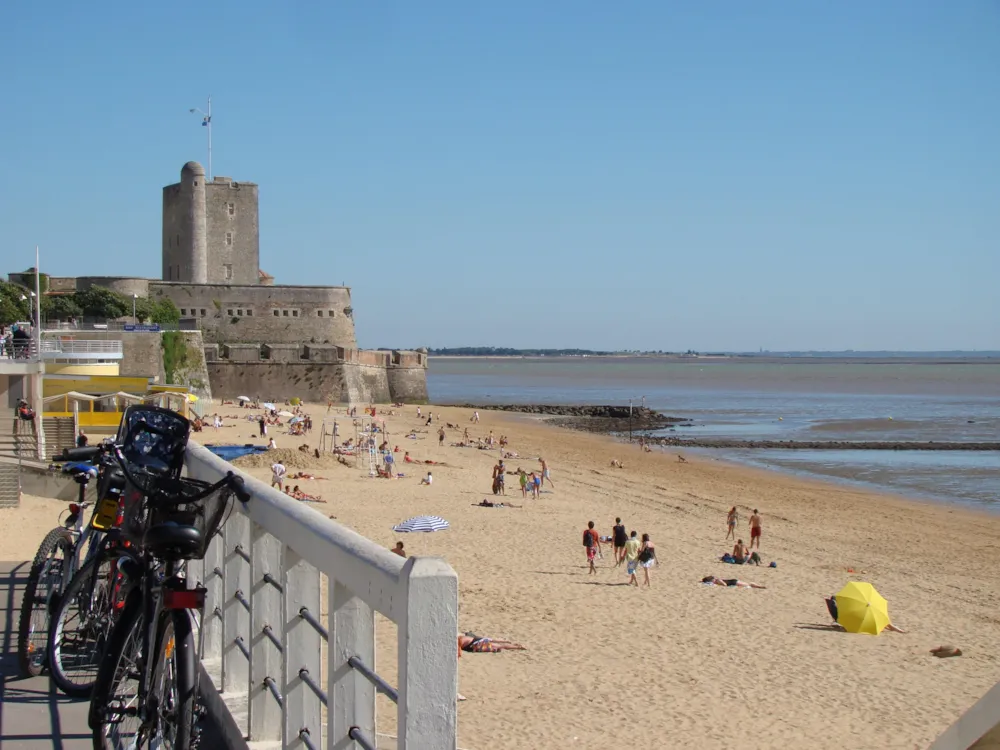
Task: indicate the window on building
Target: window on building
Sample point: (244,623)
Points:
(232,209)
(249,313)
(276,313)
(203,312)
(229,313)
(239,313)
(178,240)
(295,313)
(284,313)
(228,267)
(329,313)
(229,238)
(319,313)
(183,311)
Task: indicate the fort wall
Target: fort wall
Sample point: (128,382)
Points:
(257,314)
(316,373)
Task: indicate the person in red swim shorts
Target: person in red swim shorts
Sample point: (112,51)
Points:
(755,529)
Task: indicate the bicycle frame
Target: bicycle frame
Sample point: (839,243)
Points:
(161,581)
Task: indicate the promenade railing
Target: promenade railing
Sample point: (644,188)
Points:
(264,631)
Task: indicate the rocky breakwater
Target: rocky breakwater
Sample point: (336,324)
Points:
(590,418)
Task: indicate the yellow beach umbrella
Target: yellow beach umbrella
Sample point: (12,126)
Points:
(861,609)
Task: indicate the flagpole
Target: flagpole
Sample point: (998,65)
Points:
(38,307)
(209,138)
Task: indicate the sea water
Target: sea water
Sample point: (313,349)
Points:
(796,399)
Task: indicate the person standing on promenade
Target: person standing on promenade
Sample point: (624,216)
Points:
(619,537)
(632,547)
(731,520)
(545,472)
(592,543)
(755,529)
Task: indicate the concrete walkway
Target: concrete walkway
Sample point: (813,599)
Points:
(33,714)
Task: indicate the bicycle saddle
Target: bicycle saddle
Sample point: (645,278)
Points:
(172,541)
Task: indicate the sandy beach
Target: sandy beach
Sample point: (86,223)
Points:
(679,664)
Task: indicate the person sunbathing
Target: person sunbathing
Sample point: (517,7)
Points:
(300,495)
(487,504)
(474,644)
(731,583)
(616,464)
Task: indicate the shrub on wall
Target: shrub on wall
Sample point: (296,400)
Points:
(164,312)
(175,354)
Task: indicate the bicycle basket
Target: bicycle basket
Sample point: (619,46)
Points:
(166,502)
(154,439)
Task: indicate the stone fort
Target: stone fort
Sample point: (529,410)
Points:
(258,338)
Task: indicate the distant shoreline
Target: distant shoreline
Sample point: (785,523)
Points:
(744,359)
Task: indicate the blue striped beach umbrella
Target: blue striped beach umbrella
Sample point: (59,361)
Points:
(421,523)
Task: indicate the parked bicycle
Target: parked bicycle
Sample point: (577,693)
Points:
(82,621)
(146,691)
(58,558)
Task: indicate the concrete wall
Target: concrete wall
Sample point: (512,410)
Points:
(310,381)
(233,231)
(265,314)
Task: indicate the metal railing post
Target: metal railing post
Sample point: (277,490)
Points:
(303,650)
(236,618)
(265,627)
(352,697)
(428,657)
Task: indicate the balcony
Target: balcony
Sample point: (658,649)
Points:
(75,350)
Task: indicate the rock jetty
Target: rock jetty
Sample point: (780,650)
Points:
(589,417)
(840,445)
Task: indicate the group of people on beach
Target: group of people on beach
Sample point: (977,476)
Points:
(629,550)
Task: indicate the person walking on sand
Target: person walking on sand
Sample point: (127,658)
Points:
(618,537)
(647,557)
(632,547)
(731,520)
(441,437)
(545,472)
(262,426)
(755,529)
(277,473)
(592,543)
(498,479)
(475,417)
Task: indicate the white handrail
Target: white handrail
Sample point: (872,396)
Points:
(263,628)
(81,346)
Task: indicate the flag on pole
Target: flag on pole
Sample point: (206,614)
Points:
(205,121)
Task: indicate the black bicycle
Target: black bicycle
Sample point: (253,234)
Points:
(146,690)
(58,559)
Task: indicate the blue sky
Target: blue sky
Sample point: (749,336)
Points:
(664,175)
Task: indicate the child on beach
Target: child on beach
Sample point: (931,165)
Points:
(523,479)
(428,480)
(592,543)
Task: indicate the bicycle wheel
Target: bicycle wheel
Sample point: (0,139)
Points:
(45,583)
(81,626)
(114,712)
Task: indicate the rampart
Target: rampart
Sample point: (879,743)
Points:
(317,373)
(258,314)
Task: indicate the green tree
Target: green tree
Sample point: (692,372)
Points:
(164,312)
(12,307)
(143,309)
(60,307)
(99,302)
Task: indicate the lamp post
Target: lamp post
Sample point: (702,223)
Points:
(206,121)
(134,298)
